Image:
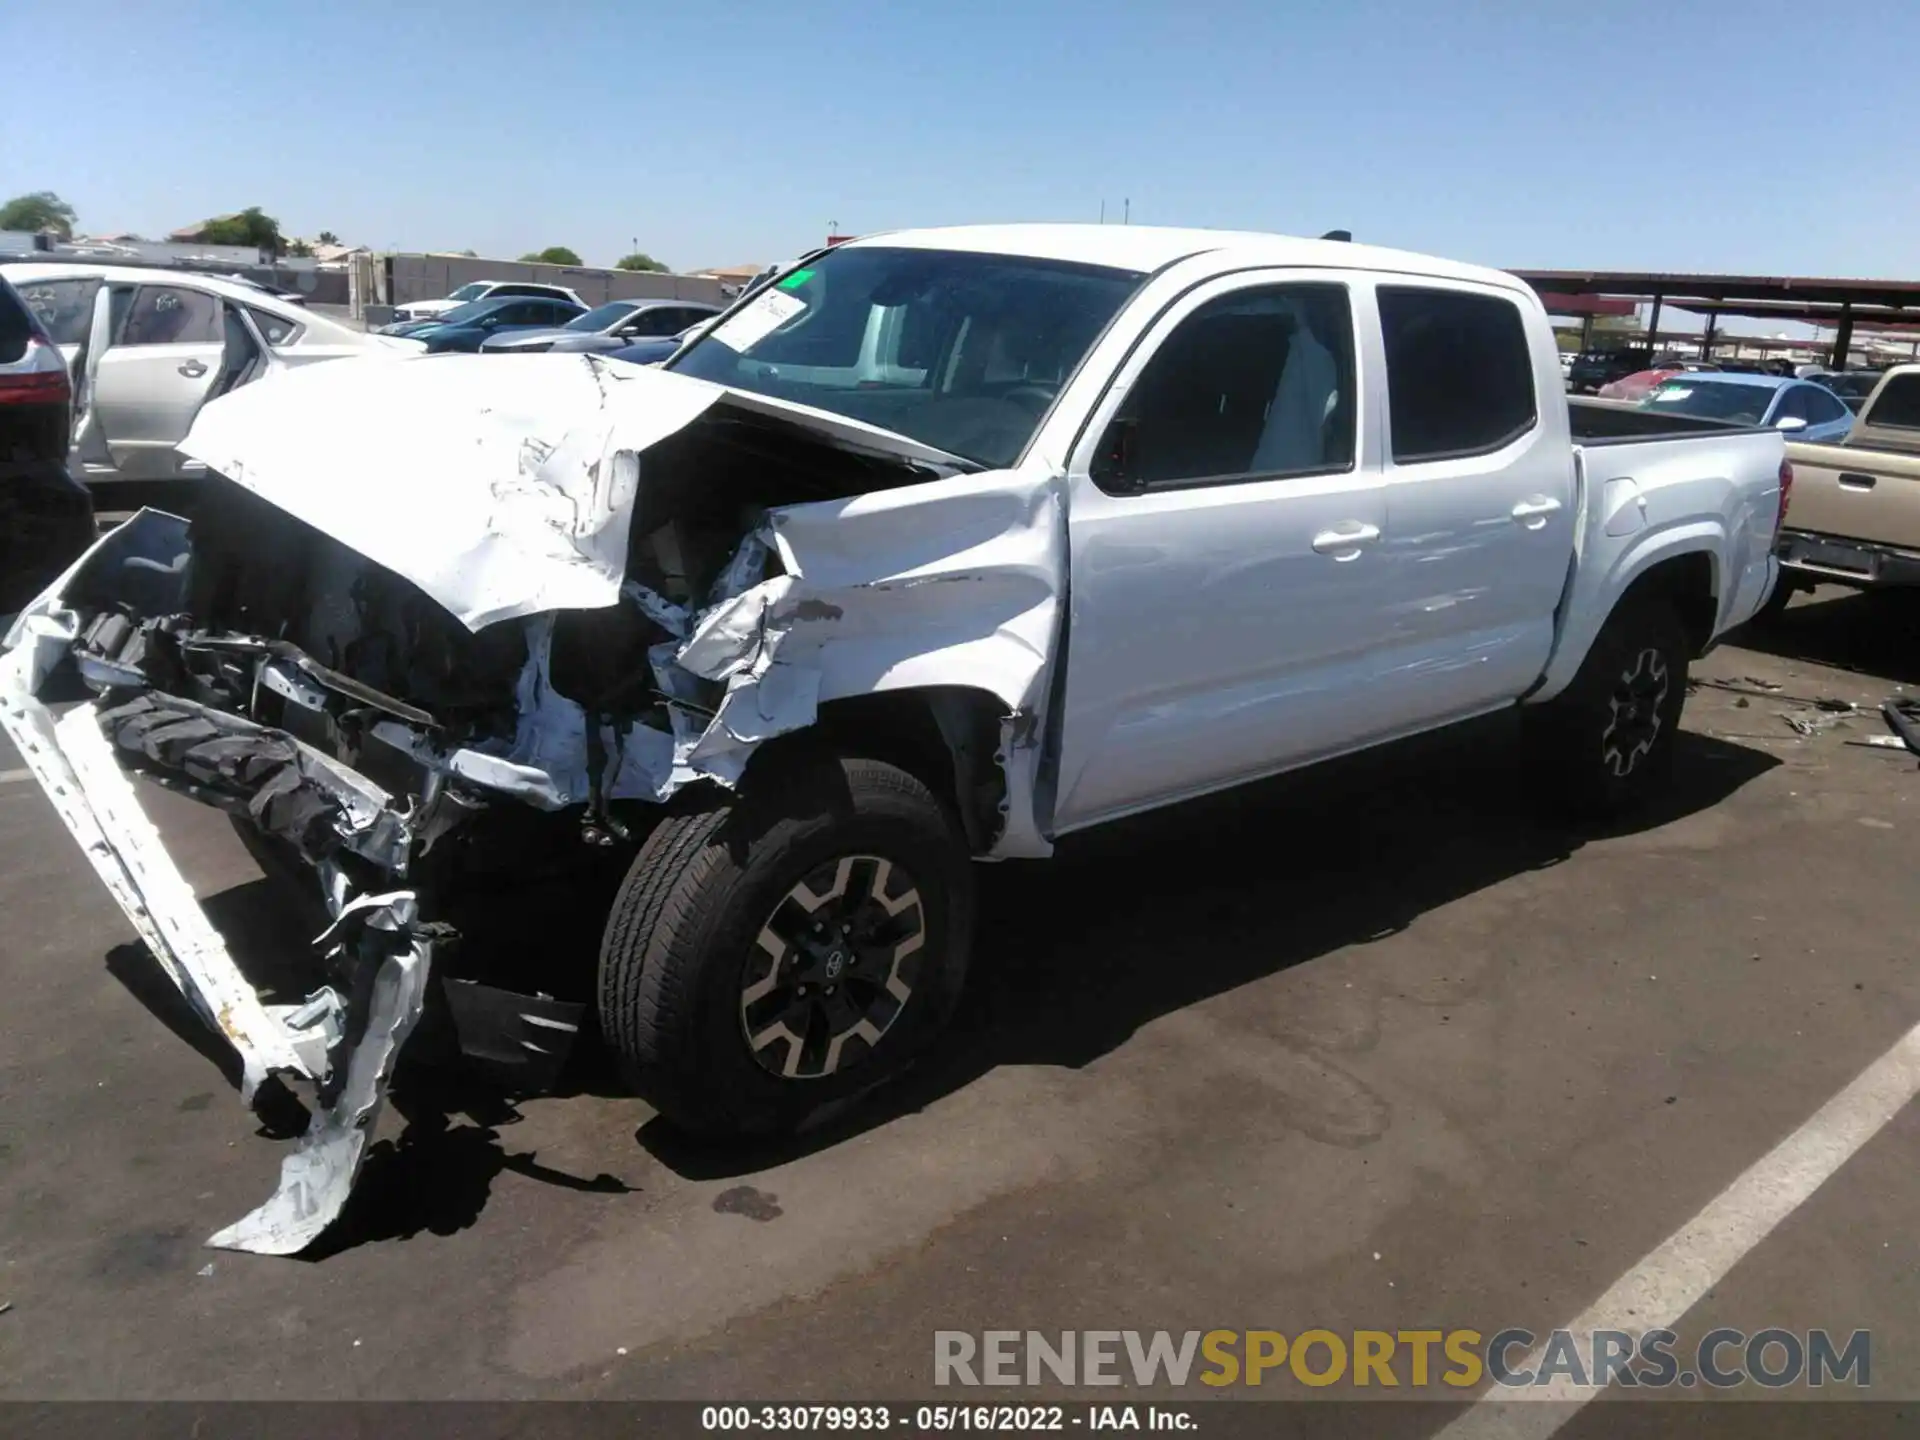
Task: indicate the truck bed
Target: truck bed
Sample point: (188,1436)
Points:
(1617,422)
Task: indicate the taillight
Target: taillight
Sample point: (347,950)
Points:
(1786,494)
(38,377)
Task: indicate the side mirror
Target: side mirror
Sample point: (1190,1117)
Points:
(1790,423)
(1114,465)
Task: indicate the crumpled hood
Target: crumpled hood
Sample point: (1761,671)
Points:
(501,485)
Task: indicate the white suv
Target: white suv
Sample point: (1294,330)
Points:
(482,290)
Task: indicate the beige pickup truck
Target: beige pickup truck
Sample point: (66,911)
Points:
(1855,514)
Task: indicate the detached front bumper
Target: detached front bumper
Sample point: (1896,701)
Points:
(344,1036)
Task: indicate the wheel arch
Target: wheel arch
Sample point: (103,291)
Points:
(948,737)
(1681,566)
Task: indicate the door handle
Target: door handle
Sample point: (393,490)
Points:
(1849,480)
(193,369)
(1344,542)
(1534,510)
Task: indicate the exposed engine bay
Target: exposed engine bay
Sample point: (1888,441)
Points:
(398,737)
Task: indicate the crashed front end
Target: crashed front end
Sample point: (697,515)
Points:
(506,610)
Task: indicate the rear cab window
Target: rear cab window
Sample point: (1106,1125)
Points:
(1459,372)
(1899,404)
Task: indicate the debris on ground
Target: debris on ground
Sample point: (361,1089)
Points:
(1903,718)
(1815,724)
(1880,742)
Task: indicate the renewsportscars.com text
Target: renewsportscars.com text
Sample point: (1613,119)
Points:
(1459,1359)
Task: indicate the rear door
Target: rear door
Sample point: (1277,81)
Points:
(1479,497)
(161,364)
(1226,508)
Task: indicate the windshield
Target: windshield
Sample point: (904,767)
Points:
(1743,404)
(469,292)
(960,351)
(600,317)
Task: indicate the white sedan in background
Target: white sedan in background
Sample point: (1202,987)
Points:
(148,348)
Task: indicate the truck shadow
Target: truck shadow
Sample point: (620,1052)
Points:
(1876,635)
(1145,917)
(1128,923)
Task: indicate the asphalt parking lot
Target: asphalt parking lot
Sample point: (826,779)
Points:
(1367,1049)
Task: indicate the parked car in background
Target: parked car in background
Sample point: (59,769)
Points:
(1852,386)
(1856,507)
(647,352)
(483,290)
(606,327)
(46,516)
(465,328)
(1593,368)
(146,348)
(1801,409)
(1639,385)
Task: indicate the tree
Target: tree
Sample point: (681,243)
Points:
(639,260)
(326,237)
(249,227)
(553,255)
(42,211)
(299,248)
(470,254)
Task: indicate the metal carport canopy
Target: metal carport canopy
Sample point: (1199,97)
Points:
(1809,299)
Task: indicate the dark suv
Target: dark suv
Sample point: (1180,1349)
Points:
(46,516)
(1593,368)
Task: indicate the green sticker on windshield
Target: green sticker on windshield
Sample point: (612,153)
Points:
(796,280)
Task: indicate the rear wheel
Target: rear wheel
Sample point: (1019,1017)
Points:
(1607,741)
(1776,603)
(770,954)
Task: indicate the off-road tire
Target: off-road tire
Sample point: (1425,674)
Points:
(684,929)
(1596,753)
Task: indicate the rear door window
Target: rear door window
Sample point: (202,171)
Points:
(170,315)
(1459,373)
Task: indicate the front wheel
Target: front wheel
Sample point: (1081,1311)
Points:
(769,954)
(1606,742)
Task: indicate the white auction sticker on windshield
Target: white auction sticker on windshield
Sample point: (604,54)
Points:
(767,313)
(1680,394)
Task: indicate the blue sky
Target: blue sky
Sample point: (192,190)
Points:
(1681,136)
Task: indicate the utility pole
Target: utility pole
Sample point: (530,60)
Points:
(1126,216)
(1103,211)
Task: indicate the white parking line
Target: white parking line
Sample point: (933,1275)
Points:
(1674,1275)
(14,777)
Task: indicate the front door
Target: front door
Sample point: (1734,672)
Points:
(1226,512)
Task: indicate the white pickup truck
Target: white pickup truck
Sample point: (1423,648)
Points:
(943,546)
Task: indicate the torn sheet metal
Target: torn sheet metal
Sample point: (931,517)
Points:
(316,1179)
(95,800)
(501,485)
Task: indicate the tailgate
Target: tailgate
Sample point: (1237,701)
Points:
(1856,494)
